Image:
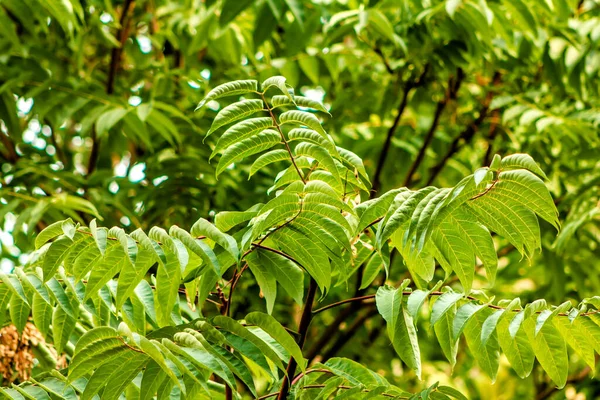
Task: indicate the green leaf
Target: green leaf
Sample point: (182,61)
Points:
(55,255)
(512,220)
(253,145)
(101,342)
(41,312)
(277,332)
(550,349)
(518,161)
(230,89)
(100,236)
(404,205)
(203,227)
(129,245)
(279,82)
(108,119)
(354,162)
(234,327)
(517,349)
(63,326)
(306,252)
(577,339)
(452,6)
(268,158)
(463,316)
(231,9)
(296,8)
(312,136)
(488,354)
(168,280)
(321,155)
(455,252)
(266,281)
(19,312)
(305,119)
(300,101)
(479,239)
(284,271)
(443,304)
(198,247)
(527,189)
(400,326)
(240,131)
(489,326)
(443,331)
(51,231)
(226,220)
(235,112)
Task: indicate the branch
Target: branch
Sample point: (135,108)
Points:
(302,330)
(467,135)
(491,136)
(115,59)
(12,155)
(451,91)
(390,134)
(347,335)
(339,303)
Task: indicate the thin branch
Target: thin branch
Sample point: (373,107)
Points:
(339,303)
(115,59)
(287,146)
(302,330)
(11,155)
(350,332)
(309,371)
(453,86)
(491,136)
(318,386)
(434,293)
(233,285)
(409,85)
(467,135)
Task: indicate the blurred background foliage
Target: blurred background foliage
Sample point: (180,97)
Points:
(96,120)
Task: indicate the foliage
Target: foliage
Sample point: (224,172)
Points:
(308,166)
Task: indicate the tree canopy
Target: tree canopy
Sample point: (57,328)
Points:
(219,199)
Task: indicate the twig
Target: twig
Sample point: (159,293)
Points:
(491,136)
(339,303)
(351,331)
(115,59)
(451,91)
(11,155)
(390,134)
(467,135)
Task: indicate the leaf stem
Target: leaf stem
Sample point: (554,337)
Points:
(287,146)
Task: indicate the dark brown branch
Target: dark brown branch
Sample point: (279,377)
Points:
(391,131)
(453,86)
(351,331)
(302,330)
(467,135)
(115,60)
(491,136)
(11,155)
(339,303)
